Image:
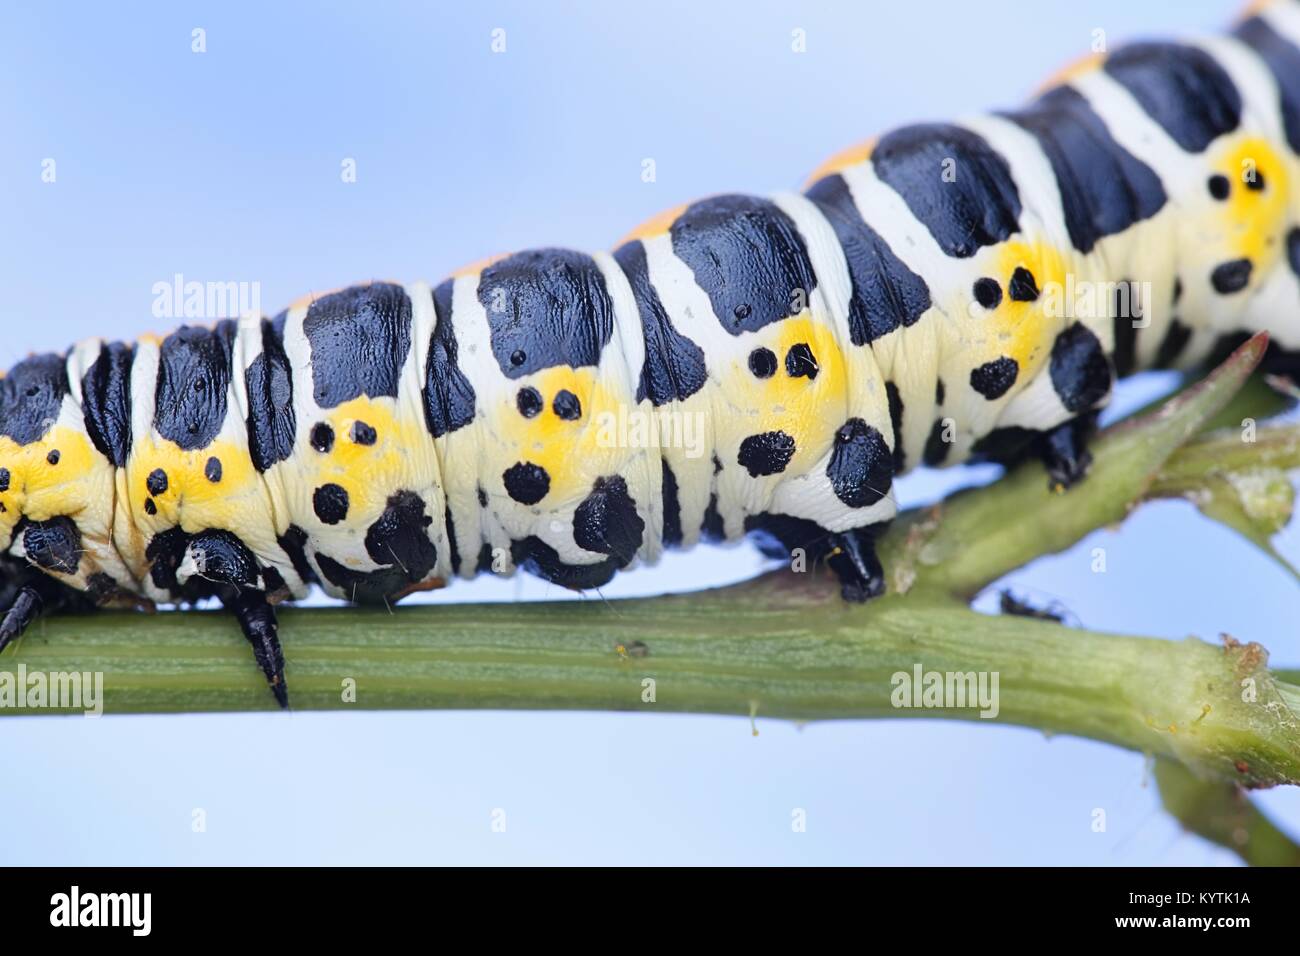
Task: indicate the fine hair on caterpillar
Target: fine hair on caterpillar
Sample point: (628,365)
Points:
(740,365)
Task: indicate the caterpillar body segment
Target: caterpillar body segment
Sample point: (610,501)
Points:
(737,365)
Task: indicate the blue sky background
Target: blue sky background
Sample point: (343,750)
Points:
(226,166)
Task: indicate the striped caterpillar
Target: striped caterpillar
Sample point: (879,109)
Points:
(915,304)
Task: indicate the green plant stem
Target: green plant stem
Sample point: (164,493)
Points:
(780,646)
(1220,812)
(783,645)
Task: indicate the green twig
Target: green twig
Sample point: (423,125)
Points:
(784,645)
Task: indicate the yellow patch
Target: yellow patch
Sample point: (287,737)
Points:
(1254,217)
(190,500)
(809,410)
(842,160)
(1025,331)
(41,491)
(560,446)
(368,473)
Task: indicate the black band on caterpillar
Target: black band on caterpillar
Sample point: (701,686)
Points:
(738,365)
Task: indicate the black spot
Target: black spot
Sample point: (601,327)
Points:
(800,362)
(672,508)
(546,307)
(1080,373)
(53,456)
(674,368)
(767,453)
(566,405)
(1022,287)
(193,382)
(529,402)
(526,482)
(149,507)
(936,449)
(1171,346)
(212,470)
(1178,289)
(330,502)
(271,418)
(1283,59)
(482,497)
(607,522)
(363,434)
(886,294)
(156,483)
(448,395)
(322,437)
(717,463)
(954,183)
(1127,308)
(359,340)
(4,480)
(987,292)
(762,362)
(400,536)
(861,468)
(748,257)
(1182,88)
(31,396)
(1219,186)
(106,402)
(895,399)
(994,379)
(1230,277)
(53,545)
(938,392)
(1254,180)
(1104,188)
(535,556)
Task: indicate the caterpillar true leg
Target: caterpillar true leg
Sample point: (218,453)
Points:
(32,593)
(951,291)
(853,559)
(1064,450)
(26,608)
(257,620)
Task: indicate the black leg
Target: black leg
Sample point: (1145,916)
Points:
(1064,451)
(26,608)
(27,593)
(257,619)
(853,559)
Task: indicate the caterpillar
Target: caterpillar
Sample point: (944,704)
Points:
(919,302)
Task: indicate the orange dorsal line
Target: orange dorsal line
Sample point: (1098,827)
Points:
(478,265)
(656,225)
(842,160)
